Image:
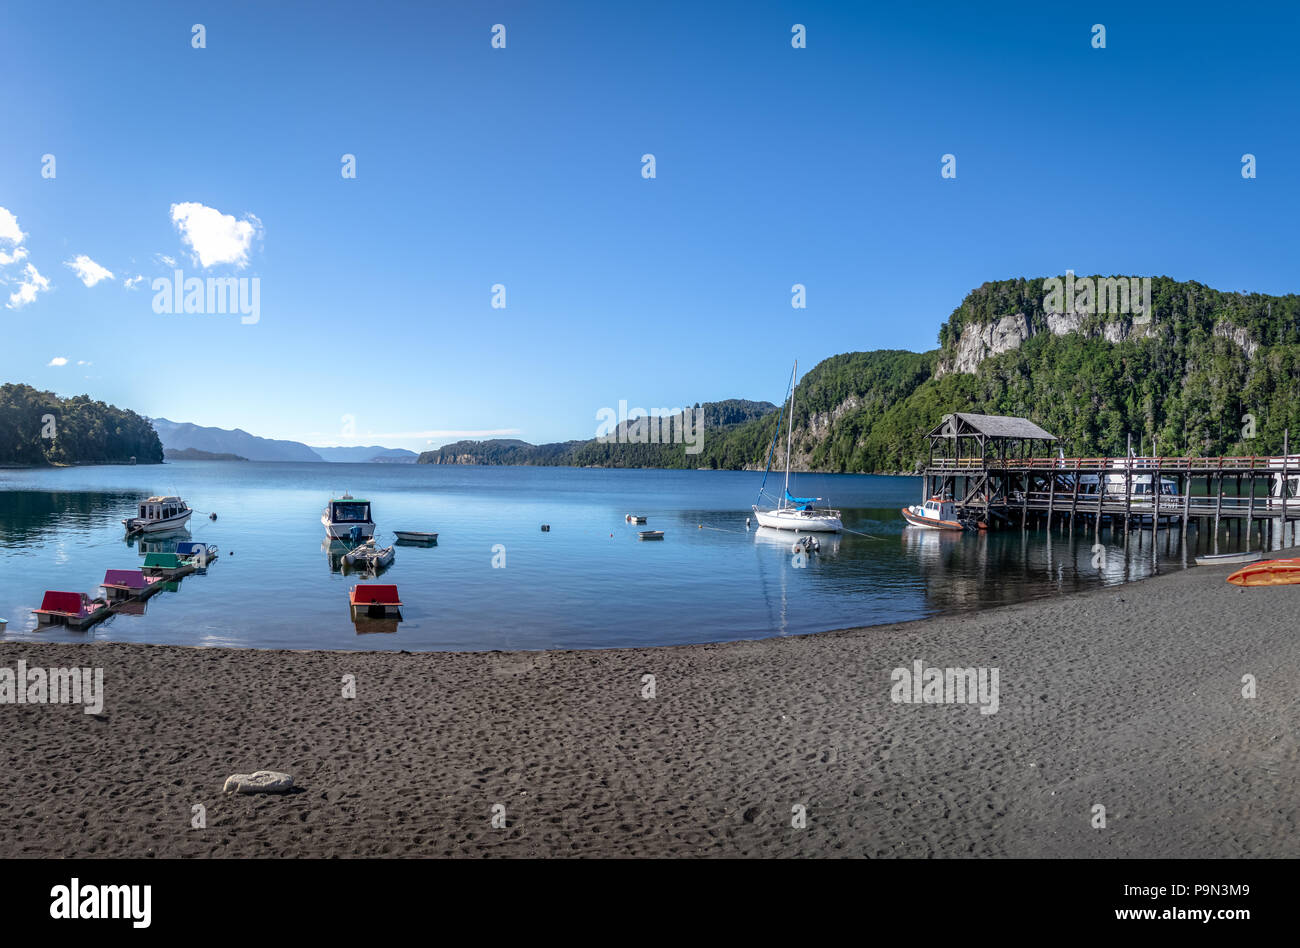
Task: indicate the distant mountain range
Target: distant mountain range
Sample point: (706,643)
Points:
(183,436)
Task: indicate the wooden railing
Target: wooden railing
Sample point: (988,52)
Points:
(1120,465)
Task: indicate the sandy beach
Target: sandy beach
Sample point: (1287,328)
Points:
(1126,697)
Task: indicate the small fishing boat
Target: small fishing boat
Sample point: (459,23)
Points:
(1268,573)
(346,517)
(633,518)
(415,536)
(790,512)
(1224,559)
(368,556)
(935,514)
(158,514)
(650,534)
(76,610)
(374,601)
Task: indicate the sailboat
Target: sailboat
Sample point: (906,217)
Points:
(790,512)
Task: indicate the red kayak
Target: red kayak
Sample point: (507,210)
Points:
(1267,573)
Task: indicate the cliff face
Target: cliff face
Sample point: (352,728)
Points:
(983,340)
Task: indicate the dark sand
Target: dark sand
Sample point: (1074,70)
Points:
(1125,697)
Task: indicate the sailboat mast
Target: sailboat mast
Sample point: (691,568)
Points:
(789,433)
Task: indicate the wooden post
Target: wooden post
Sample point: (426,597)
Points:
(1250,507)
(1128,491)
(1286,438)
(1218,507)
(1187,498)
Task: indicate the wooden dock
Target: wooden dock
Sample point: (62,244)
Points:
(985,465)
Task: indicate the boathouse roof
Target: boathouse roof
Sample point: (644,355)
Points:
(965,424)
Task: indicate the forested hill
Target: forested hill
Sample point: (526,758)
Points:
(1210,373)
(38,428)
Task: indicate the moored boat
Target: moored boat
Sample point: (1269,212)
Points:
(368,556)
(76,610)
(1224,559)
(935,514)
(650,534)
(416,536)
(790,512)
(347,517)
(158,514)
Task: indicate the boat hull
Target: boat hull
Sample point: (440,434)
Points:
(803,521)
(343,531)
(927,523)
(136,525)
(1224,559)
(1268,573)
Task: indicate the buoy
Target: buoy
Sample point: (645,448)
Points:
(212,516)
(701,526)
(546,528)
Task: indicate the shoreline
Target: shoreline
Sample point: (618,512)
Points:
(1128,697)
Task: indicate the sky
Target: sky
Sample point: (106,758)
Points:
(478,166)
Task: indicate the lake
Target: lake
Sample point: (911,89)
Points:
(587,583)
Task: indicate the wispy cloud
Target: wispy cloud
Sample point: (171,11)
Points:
(9,227)
(132,282)
(215,237)
(19,253)
(31,284)
(87,270)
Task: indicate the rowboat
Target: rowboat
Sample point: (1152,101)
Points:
(650,534)
(1268,573)
(1224,559)
(415,536)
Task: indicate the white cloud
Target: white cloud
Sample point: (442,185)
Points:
(164,259)
(83,362)
(215,237)
(57,360)
(87,270)
(20,253)
(132,282)
(31,284)
(9,227)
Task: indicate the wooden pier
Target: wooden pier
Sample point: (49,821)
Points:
(986,465)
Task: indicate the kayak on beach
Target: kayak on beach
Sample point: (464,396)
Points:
(1268,573)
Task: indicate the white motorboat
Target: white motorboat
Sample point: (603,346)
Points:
(790,512)
(348,518)
(158,514)
(935,514)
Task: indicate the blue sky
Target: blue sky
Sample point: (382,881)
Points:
(522,166)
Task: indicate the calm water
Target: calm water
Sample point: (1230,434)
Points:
(588,583)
